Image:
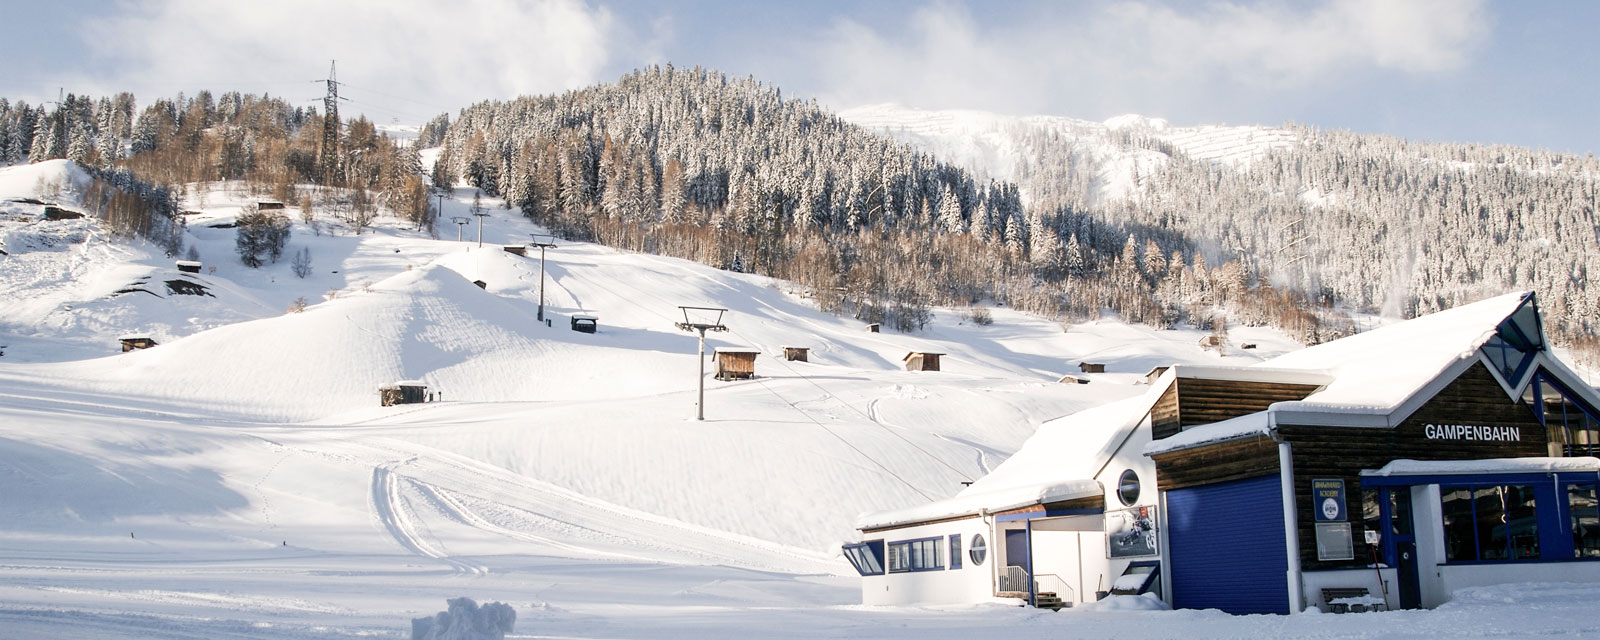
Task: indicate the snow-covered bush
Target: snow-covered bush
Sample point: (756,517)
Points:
(465,620)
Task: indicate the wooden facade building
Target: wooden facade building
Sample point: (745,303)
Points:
(129,343)
(585,324)
(922,361)
(404,392)
(1389,469)
(735,363)
(796,354)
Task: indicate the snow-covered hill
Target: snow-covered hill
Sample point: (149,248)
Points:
(999,145)
(240,481)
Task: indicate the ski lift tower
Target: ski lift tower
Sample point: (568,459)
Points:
(542,241)
(702,319)
(460,223)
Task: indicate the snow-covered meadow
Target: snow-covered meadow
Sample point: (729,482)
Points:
(240,480)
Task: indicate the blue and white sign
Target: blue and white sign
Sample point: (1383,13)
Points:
(1327,500)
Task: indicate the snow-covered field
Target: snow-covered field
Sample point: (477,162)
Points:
(240,481)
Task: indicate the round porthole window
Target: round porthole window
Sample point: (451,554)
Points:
(979,550)
(1128,488)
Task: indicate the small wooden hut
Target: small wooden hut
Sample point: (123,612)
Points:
(269,205)
(1091,367)
(481,284)
(735,363)
(1211,341)
(1247,345)
(873,327)
(404,392)
(1072,379)
(129,343)
(1154,374)
(518,249)
(189,266)
(585,324)
(922,361)
(796,354)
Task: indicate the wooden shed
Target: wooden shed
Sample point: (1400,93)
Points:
(922,361)
(518,249)
(1211,341)
(873,327)
(481,284)
(404,392)
(129,343)
(585,324)
(1154,374)
(1072,379)
(735,363)
(189,266)
(796,354)
(269,205)
(1091,367)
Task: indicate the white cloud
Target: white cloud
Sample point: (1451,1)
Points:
(1123,53)
(435,55)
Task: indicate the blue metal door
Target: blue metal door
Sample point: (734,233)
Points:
(1226,547)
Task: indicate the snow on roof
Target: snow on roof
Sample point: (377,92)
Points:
(1253,424)
(582,316)
(405,383)
(1081,443)
(722,350)
(974,503)
(189,263)
(1490,465)
(1377,371)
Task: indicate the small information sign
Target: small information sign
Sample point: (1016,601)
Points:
(1328,500)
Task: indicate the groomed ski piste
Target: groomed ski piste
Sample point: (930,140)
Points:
(239,480)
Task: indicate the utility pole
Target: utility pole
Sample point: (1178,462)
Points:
(460,222)
(689,324)
(440,196)
(548,243)
(481,215)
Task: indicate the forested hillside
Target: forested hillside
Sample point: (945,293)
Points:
(695,164)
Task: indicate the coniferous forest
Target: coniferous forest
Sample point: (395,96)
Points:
(695,164)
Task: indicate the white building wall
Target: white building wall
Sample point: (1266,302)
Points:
(1130,455)
(969,584)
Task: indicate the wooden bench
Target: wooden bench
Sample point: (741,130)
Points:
(1351,600)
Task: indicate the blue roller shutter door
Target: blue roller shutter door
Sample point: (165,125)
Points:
(1226,547)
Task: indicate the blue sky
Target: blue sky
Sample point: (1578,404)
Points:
(1519,73)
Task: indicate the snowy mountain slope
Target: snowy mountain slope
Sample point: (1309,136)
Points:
(999,146)
(242,471)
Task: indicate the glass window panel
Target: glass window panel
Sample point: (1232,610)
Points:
(1494,541)
(1528,321)
(1400,511)
(1522,521)
(1460,542)
(1371,518)
(1585,520)
(955,551)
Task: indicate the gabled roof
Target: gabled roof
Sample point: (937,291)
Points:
(1378,379)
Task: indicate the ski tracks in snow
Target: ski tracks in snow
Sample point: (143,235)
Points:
(390,508)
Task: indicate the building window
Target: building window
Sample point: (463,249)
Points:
(955,551)
(866,556)
(916,555)
(1128,488)
(1490,524)
(1585,520)
(979,550)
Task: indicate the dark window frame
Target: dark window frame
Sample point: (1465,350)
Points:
(936,547)
(979,551)
(873,547)
(955,551)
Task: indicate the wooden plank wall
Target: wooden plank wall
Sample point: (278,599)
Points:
(1221,462)
(1195,401)
(1342,452)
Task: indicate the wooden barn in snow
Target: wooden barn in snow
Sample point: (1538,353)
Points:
(922,361)
(131,342)
(403,392)
(735,363)
(796,354)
